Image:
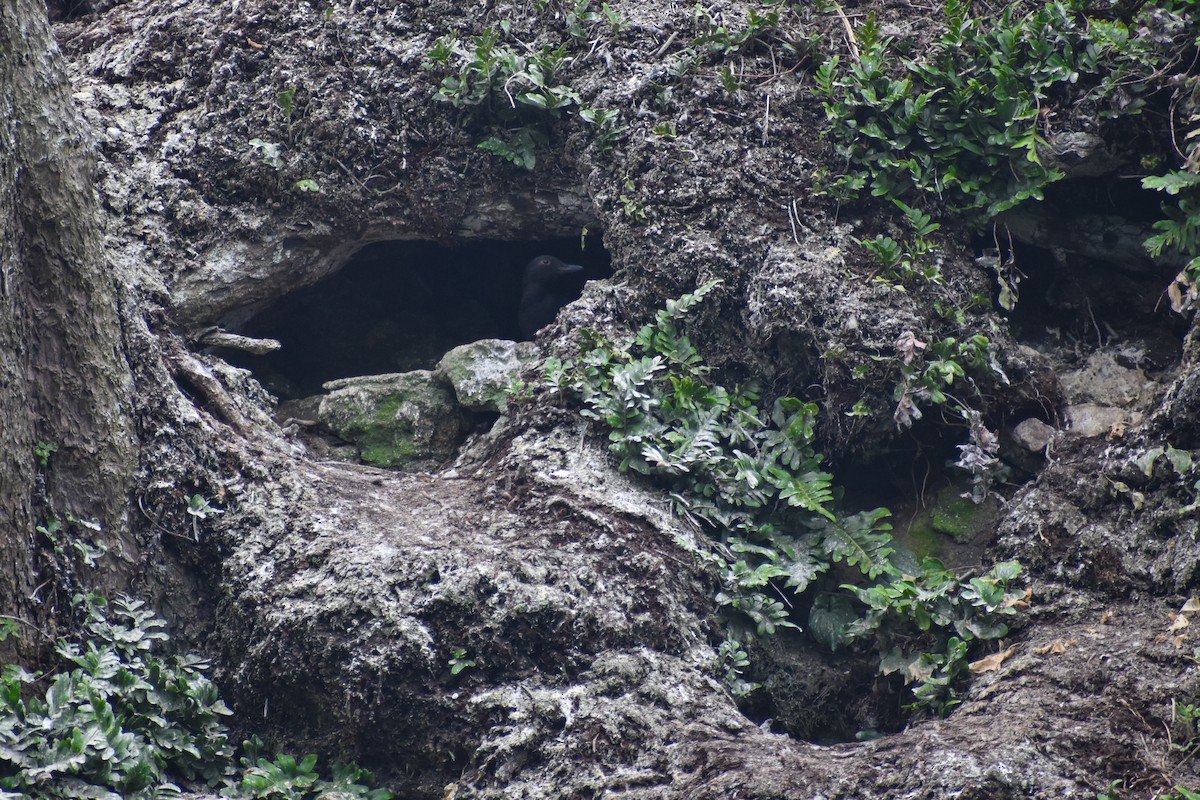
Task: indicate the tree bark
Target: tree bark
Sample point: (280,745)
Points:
(64,378)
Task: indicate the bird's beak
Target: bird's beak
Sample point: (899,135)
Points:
(568,269)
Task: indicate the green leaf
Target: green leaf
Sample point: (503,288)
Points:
(1173,182)
(829,615)
(810,491)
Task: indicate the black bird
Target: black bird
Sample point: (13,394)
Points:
(548,286)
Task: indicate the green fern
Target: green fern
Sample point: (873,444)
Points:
(753,480)
(961,124)
(811,491)
(860,540)
(1180,231)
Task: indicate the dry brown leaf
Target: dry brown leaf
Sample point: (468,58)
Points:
(1191,606)
(1021,602)
(918,672)
(1176,297)
(1057,646)
(1105,617)
(906,411)
(1178,623)
(908,345)
(1178,640)
(991,663)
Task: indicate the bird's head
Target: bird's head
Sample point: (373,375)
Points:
(545,269)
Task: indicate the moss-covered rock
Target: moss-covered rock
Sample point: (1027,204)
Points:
(402,420)
(482,372)
(952,515)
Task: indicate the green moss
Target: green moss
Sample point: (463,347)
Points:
(388,454)
(384,439)
(955,516)
(949,516)
(922,538)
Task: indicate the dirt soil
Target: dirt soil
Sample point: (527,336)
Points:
(334,597)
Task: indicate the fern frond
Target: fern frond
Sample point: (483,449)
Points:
(861,541)
(810,491)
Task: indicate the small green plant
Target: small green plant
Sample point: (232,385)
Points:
(199,509)
(902,612)
(730,82)
(580,16)
(928,372)
(285,778)
(51,529)
(615,20)
(733,662)
(518,147)
(520,391)
(1179,232)
(286,100)
(718,39)
(271,152)
(752,478)
(605,121)
(1185,727)
(272,156)
(521,90)
(459,661)
(916,259)
(1182,470)
(632,207)
(43,451)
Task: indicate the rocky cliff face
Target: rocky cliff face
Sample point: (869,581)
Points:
(252,148)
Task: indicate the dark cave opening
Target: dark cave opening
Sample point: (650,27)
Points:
(1067,298)
(399,305)
(1087,271)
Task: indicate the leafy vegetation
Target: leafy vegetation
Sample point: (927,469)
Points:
(905,261)
(965,124)
(520,90)
(718,40)
(122,721)
(272,156)
(1179,232)
(752,478)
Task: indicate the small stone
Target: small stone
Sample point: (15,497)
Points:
(1089,419)
(1032,434)
(482,372)
(402,420)
(1104,382)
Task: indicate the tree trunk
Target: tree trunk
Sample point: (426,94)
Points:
(64,379)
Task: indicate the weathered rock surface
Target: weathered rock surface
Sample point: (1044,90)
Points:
(405,419)
(1090,419)
(483,372)
(345,591)
(1032,435)
(1104,380)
